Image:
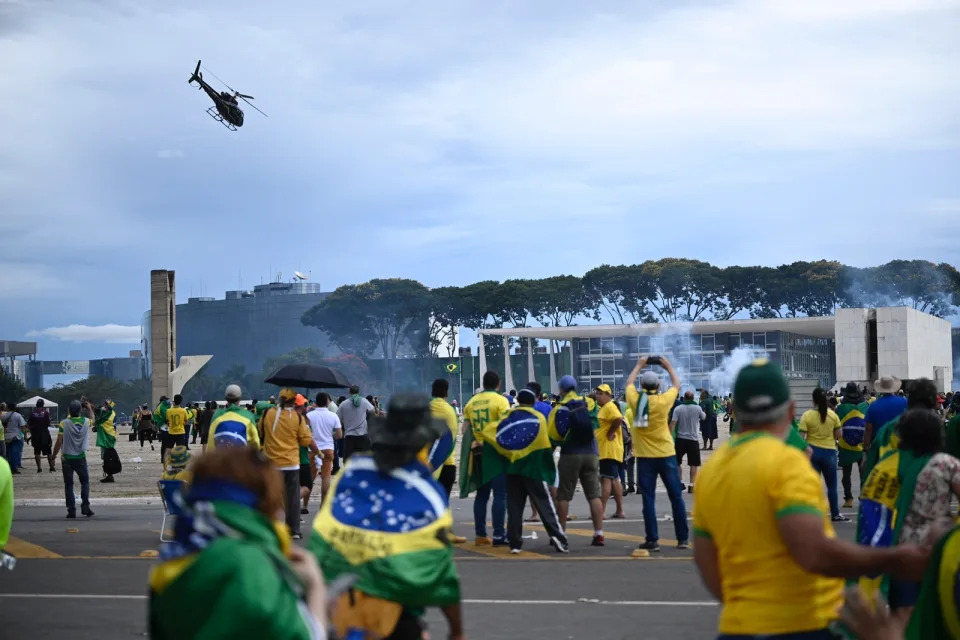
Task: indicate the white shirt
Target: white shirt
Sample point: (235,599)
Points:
(322,423)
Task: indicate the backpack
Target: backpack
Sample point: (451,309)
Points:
(578,420)
(111,462)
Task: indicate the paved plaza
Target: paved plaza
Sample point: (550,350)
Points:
(90,576)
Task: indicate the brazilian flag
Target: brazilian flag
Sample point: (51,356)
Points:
(519,445)
(439,451)
(106,432)
(390,530)
(937,612)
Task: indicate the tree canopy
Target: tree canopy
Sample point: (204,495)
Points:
(380,315)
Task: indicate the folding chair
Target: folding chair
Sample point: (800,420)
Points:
(169,489)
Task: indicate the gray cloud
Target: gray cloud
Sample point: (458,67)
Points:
(464,130)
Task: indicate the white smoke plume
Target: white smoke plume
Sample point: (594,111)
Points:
(723,377)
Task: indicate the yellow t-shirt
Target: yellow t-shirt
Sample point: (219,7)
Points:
(485,408)
(609,449)
(654,440)
(819,434)
(176,419)
(760,479)
(440,408)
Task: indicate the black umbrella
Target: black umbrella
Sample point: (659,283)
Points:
(310,376)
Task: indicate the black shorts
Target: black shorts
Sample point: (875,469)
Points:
(689,448)
(610,468)
(42,445)
(306,476)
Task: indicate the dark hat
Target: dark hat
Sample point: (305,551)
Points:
(760,391)
(851,392)
(408,423)
(40,402)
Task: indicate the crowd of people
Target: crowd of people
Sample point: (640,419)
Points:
(380,547)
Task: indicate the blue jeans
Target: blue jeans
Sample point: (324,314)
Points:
(647,471)
(824,461)
(15,453)
(80,466)
(499,487)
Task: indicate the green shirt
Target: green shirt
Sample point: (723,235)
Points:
(794,439)
(304,455)
(6,502)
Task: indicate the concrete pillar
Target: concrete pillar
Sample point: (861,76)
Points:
(508,371)
(573,363)
(163,331)
(531,373)
(553,370)
(483,360)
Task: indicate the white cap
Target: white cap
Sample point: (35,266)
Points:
(233,392)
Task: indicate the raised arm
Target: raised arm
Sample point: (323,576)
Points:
(632,378)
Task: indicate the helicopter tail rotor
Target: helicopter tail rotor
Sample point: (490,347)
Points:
(197,76)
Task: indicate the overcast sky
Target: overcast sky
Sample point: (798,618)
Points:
(457,141)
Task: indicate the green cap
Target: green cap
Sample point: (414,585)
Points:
(760,392)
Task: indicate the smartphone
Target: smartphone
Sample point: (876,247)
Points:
(653,360)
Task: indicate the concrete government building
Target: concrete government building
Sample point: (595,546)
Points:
(857,345)
(246,327)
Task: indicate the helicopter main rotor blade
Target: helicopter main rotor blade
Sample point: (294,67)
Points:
(244,96)
(219,80)
(251,104)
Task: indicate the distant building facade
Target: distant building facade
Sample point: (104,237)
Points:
(246,327)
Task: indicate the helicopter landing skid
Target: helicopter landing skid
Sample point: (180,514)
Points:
(212,111)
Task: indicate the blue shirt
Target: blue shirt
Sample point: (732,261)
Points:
(884,409)
(544,408)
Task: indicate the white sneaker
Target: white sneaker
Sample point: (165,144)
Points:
(515,551)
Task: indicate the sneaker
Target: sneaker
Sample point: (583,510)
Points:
(500,542)
(597,541)
(71,515)
(459,539)
(690,489)
(847,503)
(650,546)
(297,536)
(482,541)
(88,513)
(683,487)
(304,510)
(683,544)
(559,546)
(840,518)
(107,479)
(515,551)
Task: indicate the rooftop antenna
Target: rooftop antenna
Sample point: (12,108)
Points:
(279,276)
(299,276)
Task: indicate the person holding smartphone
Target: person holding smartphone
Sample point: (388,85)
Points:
(654,449)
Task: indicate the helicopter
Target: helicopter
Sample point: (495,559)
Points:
(225,110)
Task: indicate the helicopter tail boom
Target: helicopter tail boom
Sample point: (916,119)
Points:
(197,76)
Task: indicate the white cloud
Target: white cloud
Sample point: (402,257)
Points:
(944,206)
(110,333)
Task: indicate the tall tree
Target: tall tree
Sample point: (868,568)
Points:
(475,306)
(382,309)
(686,290)
(621,291)
(741,288)
(558,301)
(445,318)
(513,302)
(923,285)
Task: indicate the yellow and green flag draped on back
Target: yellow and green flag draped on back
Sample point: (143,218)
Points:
(391,530)
(937,612)
(518,445)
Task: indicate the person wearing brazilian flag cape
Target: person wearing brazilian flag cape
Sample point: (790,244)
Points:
(519,447)
(387,522)
(232,571)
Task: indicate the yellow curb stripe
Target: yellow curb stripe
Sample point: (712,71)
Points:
(609,535)
(24,549)
(502,552)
